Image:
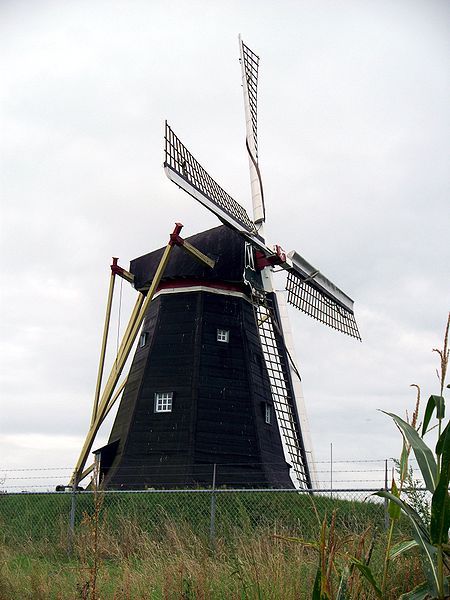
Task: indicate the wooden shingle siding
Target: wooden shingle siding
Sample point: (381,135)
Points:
(219,394)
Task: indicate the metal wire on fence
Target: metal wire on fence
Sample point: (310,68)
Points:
(372,473)
(129,526)
(132,523)
(51,516)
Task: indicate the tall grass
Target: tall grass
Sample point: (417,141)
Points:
(44,518)
(175,560)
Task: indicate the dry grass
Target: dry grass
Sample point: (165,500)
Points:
(183,566)
(127,563)
(116,555)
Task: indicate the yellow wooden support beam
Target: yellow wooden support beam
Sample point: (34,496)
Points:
(114,398)
(134,317)
(122,355)
(104,342)
(127,276)
(197,254)
(103,408)
(86,472)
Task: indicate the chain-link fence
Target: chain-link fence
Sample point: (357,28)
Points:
(266,538)
(54,518)
(235,525)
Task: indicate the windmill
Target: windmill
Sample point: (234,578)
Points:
(213,380)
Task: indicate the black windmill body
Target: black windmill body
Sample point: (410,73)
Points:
(198,393)
(213,387)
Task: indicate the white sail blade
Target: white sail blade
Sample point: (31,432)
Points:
(184,170)
(314,294)
(249,65)
(297,384)
(281,384)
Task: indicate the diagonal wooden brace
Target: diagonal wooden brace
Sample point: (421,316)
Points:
(129,337)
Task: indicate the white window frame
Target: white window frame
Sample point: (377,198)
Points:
(163,402)
(143,339)
(268,413)
(249,257)
(223,335)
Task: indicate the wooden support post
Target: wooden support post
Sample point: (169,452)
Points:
(104,341)
(87,471)
(212,522)
(198,255)
(122,355)
(114,398)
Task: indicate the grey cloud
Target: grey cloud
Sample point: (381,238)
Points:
(353,119)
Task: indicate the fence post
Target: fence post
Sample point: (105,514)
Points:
(331,469)
(212,523)
(386,501)
(73,508)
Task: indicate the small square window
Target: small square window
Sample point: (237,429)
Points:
(223,335)
(163,401)
(143,339)
(268,414)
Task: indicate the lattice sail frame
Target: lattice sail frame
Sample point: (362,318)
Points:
(282,392)
(308,290)
(184,170)
(302,294)
(251,65)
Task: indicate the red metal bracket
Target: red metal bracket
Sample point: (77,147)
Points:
(263,261)
(120,271)
(175,239)
(115,267)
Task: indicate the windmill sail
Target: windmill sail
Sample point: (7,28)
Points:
(312,293)
(277,364)
(308,290)
(184,170)
(250,66)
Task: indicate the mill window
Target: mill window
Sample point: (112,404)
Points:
(143,339)
(249,256)
(268,414)
(223,335)
(163,401)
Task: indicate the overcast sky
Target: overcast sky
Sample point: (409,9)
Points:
(354,152)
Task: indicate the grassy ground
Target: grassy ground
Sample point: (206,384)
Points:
(157,546)
(43,517)
(180,566)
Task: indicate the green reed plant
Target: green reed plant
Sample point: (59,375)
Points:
(418,498)
(341,556)
(90,551)
(430,539)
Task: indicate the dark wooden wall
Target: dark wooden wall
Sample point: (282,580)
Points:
(219,396)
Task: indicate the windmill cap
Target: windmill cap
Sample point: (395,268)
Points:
(221,243)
